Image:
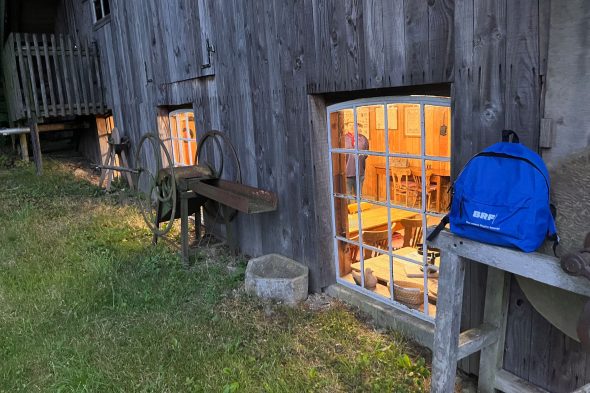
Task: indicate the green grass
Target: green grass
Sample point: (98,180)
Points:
(88,305)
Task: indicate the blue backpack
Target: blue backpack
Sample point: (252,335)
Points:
(502,197)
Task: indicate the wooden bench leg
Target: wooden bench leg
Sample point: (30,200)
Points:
(184,228)
(24,147)
(36,145)
(447,324)
(495,313)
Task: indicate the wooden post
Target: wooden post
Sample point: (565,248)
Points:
(104,171)
(24,147)
(448,321)
(184,226)
(36,144)
(229,234)
(197,217)
(495,314)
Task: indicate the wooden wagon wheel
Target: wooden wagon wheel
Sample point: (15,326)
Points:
(157,188)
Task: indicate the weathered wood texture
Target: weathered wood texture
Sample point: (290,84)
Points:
(36,66)
(496,86)
(537,351)
(263,68)
(356,45)
(502,261)
(270,55)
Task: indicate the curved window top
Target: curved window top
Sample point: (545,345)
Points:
(434,100)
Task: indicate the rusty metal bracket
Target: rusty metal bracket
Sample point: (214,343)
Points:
(210,49)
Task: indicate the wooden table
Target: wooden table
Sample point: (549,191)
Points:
(436,174)
(375,217)
(380,267)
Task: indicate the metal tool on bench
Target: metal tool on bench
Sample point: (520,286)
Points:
(168,192)
(578,264)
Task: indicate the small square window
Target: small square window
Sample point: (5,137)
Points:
(182,137)
(101,9)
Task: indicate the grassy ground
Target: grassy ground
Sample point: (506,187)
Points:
(87,304)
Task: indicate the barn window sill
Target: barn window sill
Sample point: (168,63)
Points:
(102,22)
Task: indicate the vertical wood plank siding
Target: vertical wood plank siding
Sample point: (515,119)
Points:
(273,59)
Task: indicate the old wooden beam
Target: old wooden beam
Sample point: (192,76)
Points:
(473,340)
(31,82)
(69,109)
(536,266)
(24,147)
(495,314)
(36,144)
(23,77)
(448,322)
(58,77)
(74,76)
(53,109)
(510,383)
(63,126)
(41,75)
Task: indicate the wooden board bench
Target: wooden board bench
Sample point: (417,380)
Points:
(451,345)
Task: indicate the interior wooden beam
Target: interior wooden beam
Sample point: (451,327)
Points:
(63,126)
(473,340)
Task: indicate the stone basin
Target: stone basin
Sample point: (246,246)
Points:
(276,277)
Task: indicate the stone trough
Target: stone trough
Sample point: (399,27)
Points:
(276,277)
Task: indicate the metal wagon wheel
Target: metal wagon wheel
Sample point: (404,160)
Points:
(157,189)
(212,208)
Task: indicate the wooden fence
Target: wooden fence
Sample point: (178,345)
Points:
(48,75)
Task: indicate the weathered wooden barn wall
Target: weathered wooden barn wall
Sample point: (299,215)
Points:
(539,350)
(358,45)
(258,93)
(271,55)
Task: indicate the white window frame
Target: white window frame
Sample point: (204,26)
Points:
(358,198)
(174,141)
(103,16)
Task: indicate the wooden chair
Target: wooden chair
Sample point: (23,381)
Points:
(377,239)
(431,187)
(412,231)
(404,185)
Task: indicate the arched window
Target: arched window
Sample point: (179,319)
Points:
(390,172)
(183,137)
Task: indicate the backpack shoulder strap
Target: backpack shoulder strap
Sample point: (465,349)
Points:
(441,225)
(506,136)
(552,232)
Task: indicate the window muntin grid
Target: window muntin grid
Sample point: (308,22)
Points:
(358,198)
(182,137)
(101,9)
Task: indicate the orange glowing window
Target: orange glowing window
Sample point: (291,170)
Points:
(183,137)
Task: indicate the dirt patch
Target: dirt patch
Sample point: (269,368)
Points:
(79,167)
(319,302)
